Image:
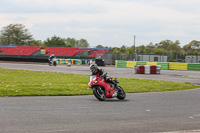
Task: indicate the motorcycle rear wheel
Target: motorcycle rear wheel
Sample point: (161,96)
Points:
(50,64)
(99,93)
(121,93)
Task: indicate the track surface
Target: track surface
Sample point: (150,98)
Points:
(140,112)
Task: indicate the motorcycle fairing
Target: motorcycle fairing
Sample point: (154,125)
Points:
(101,82)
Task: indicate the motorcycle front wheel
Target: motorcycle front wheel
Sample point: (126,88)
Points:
(121,93)
(99,93)
(54,63)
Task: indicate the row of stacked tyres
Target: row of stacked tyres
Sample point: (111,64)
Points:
(147,69)
(164,65)
(120,63)
(63,61)
(71,61)
(194,66)
(178,66)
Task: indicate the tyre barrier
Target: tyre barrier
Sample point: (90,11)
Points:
(71,61)
(57,61)
(194,66)
(147,69)
(164,65)
(130,63)
(178,66)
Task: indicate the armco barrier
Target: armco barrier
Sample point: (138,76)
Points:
(70,61)
(73,61)
(66,61)
(141,63)
(82,61)
(116,61)
(164,65)
(60,61)
(178,66)
(194,66)
(121,63)
(152,63)
(77,61)
(57,61)
(63,61)
(130,63)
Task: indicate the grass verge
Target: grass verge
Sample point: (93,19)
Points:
(34,83)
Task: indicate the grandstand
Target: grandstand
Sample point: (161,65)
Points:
(35,52)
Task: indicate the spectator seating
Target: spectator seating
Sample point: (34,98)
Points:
(57,51)
(19,50)
(98,52)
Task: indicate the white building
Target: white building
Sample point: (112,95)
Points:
(192,58)
(152,58)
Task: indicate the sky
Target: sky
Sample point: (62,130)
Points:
(110,23)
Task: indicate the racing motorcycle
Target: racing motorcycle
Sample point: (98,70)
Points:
(52,62)
(102,89)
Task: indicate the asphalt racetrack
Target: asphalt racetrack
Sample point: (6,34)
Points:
(177,111)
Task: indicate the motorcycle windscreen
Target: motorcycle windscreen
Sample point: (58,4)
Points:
(91,77)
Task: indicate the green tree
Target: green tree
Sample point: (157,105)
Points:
(192,48)
(159,51)
(123,49)
(187,49)
(129,50)
(82,43)
(15,34)
(150,48)
(164,44)
(115,50)
(140,49)
(69,45)
(70,42)
(195,46)
(35,43)
(99,46)
(174,49)
(175,46)
(55,41)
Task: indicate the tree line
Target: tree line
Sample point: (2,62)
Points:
(19,35)
(166,47)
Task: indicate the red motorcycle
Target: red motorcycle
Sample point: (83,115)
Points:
(102,89)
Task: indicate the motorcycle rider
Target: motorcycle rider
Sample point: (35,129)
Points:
(95,70)
(51,57)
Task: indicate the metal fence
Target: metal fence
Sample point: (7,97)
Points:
(110,58)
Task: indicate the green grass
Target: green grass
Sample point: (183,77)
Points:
(33,83)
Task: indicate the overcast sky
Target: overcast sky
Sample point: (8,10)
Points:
(106,22)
